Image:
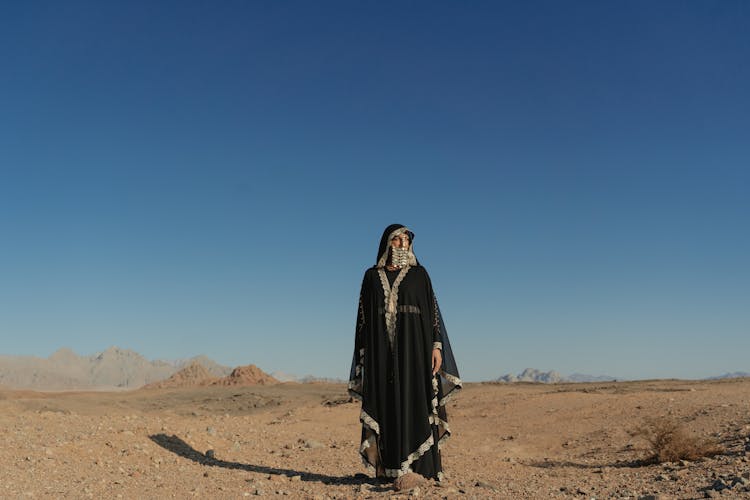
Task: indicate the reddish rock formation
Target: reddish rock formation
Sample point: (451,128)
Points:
(247,375)
(194,374)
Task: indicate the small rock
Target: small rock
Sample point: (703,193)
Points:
(746,475)
(258,492)
(309,443)
(408,481)
(296,478)
(719,485)
(482,484)
(210,454)
(211,431)
(415,492)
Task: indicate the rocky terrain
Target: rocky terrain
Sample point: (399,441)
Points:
(300,441)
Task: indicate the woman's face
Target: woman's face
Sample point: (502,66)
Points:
(400,241)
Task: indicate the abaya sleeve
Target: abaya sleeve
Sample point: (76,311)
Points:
(355,375)
(448,370)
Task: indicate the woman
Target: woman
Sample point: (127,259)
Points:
(403,369)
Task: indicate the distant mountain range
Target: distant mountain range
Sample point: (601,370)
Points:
(307,379)
(730,375)
(114,368)
(551,377)
(117,368)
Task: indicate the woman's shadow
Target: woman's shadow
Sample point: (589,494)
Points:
(179,447)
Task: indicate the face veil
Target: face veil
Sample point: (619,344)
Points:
(385,250)
(399,323)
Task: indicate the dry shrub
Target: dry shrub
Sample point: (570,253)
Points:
(670,441)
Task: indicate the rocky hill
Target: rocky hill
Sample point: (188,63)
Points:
(197,375)
(214,368)
(247,375)
(193,375)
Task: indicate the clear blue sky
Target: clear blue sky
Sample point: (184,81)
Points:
(188,177)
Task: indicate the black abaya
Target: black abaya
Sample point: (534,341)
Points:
(403,413)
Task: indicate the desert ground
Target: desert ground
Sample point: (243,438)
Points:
(300,440)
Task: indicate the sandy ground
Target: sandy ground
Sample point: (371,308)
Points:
(509,441)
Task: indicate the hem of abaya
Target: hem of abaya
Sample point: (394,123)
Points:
(414,456)
(455,381)
(406,464)
(435,421)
